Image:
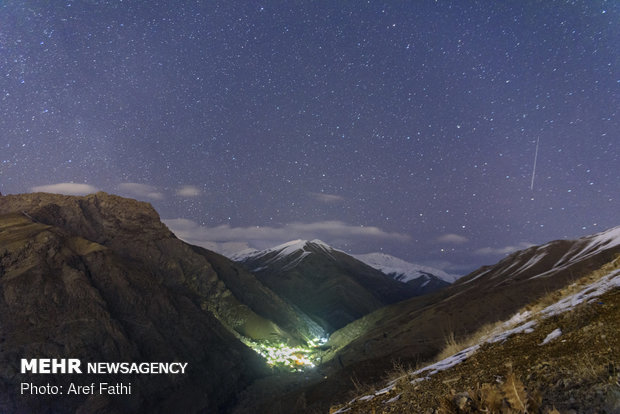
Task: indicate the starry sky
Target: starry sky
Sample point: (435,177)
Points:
(444,132)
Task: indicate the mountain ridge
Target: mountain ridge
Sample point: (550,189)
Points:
(558,354)
(416,329)
(101,278)
(513,281)
(392,266)
(74,270)
(65,296)
(133,229)
(328,284)
(403,270)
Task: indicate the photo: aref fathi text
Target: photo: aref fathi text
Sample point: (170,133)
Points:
(28,388)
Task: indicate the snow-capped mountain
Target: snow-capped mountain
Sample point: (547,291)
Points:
(547,260)
(328,284)
(291,253)
(402,270)
(484,296)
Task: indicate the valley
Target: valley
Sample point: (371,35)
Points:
(300,327)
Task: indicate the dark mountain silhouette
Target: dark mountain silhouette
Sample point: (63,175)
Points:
(331,286)
(100,278)
(417,329)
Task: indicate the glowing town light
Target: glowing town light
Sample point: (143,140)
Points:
(281,355)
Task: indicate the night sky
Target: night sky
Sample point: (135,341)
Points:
(408,127)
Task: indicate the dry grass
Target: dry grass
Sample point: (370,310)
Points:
(507,397)
(581,364)
(400,373)
(586,368)
(453,345)
(552,297)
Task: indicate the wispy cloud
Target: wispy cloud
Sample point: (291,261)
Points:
(327,198)
(452,238)
(189,191)
(65,188)
(221,238)
(141,191)
(496,251)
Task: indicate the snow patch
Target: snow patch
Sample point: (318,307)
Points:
(527,327)
(401,269)
(393,399)
(608,282)
(555,334)
(479,275)
(524,323)
(449,362)
(517,318)
(385,390)
(533,260)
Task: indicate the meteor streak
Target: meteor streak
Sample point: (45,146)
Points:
(535,159)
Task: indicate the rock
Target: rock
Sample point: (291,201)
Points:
(462,400)
(612,400)
(100,278)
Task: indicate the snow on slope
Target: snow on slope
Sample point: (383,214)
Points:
(397,268)
(593,245)
(402,270)
(297,249)
(581,249)
(243,254)
(524,322)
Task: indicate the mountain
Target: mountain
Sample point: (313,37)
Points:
(327,284)
(425,279)
(402,270)
(417,329)
(558,355)
(485,295)
(101,279)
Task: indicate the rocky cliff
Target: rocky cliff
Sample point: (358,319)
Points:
(100,278)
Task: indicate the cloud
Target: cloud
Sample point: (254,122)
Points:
(452,238)
(141,190)
(65,188)
(327,198)
(226,249)
(496,251)
(188,191)
(221,238)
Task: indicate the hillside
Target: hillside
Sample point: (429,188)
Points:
(423,278)
(416,330)
(65,296)
(100,278)
(557,355)
(325,283)
(417,327)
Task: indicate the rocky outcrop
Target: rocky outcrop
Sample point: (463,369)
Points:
(100,278)
(133,230)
